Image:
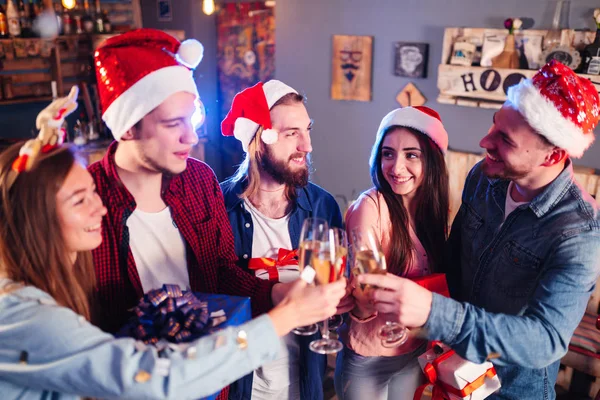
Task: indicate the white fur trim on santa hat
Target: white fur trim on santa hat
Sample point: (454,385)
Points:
(547,120)
(275,90)
(244,130)
(145,95)
(413,118)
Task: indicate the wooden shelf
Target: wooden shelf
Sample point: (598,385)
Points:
(486,87)
(23,100)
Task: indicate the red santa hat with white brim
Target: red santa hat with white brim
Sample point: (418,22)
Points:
(250,110)
(559,105)
(140,69)
(420,118)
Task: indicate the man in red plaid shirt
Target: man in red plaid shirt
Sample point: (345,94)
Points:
(166,219)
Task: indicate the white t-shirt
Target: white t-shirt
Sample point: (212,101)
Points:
(158,249)
(269,236)
(278,379)
(510,205)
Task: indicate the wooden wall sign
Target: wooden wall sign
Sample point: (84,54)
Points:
(351,73)
(410,96)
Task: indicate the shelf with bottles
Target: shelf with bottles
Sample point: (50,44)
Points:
(48,18)
(470,76)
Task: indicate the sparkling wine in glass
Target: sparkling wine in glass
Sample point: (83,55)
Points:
(369,259)
(329,262)
(314,230)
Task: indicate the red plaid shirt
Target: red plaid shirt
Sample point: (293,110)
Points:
(197,208)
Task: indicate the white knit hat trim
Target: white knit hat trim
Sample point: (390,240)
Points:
(419,120)
(547,120)
(244,130)
(145,95)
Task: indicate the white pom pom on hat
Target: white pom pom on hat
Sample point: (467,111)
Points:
(190,53)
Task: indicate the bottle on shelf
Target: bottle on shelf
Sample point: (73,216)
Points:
(591,56)
(87,20)
(12,17)
(77,18)
(67,22)
(106,22)
(59,18)
(25,19)
(98,22)
(3,23)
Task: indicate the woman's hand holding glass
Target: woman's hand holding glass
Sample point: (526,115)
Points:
(369,259)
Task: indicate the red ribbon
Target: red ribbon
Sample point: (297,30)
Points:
(441,390)
(284,257)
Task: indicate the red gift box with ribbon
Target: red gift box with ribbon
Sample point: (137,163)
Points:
(435,283)
(283,269)
(451,377)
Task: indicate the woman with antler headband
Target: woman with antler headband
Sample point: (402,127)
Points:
(51,219)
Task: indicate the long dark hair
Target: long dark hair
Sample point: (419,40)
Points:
(32,248)
(431,219)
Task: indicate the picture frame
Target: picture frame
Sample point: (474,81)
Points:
(410,59)
(352,67)
(165,10)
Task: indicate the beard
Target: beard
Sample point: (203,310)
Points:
(281,172)
(507,172)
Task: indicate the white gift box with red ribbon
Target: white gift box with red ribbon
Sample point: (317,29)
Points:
(452,377)
(283,269)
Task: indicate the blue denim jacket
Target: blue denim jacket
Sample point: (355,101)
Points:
(312,201)
(521,287)
(49,352)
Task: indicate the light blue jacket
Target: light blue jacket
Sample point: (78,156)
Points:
(65,357)
(522,286)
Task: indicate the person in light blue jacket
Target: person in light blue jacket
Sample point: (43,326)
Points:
(51,219)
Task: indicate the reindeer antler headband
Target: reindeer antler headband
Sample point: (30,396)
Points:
(51,134)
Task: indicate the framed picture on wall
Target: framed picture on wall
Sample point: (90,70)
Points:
(411,59)
(351,61)
(165,10)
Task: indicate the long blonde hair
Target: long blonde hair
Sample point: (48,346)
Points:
(32,248)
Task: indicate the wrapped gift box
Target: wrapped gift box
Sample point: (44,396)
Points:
(456,377)
(435,283)
(236,309)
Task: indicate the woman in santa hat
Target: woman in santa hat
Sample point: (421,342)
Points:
(407,212)
(51,219)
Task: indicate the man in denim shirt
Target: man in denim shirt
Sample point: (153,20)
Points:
(525,245)
(267,201)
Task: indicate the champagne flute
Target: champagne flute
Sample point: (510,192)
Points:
(313,231)
(369,259)
(329,262)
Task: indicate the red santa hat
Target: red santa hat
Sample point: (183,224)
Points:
(421,118)
(559,105)
(250,111)
(138,70)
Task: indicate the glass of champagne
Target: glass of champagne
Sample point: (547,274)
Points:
(329,263)
(314,231)
(369,259)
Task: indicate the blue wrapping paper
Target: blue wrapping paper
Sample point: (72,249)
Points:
(182,316)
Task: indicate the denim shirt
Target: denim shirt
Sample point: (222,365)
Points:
(520,285)
(311,201)
(49,352)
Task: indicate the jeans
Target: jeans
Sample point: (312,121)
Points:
(377,378)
